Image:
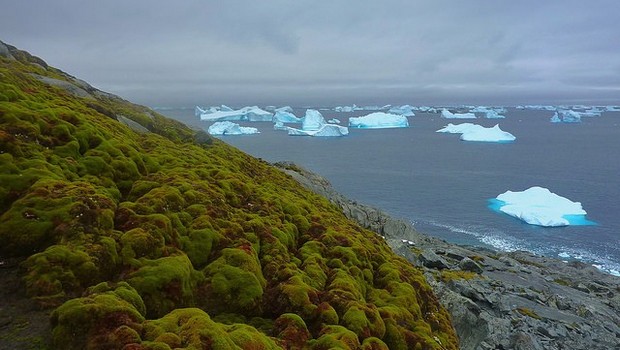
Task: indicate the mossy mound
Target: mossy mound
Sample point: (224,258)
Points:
(157,241)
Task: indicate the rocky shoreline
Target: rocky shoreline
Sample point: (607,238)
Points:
(498,300)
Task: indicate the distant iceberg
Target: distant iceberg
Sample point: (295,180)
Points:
(379,120)
(539,206)
(313,120)
(334,121)
(449,115)
(313,124)
(405,111)
(612,109)
(346,109)
(285,117)
(326,130)
(225,113)
(538,107)
(478,133)
(230,128)
(563,116)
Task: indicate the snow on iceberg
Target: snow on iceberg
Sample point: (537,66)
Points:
(539,206)
(449,115)
(379,120)
(230,128)
(405,111)
(478,133)
(563,116)
(253,113)
(326,130)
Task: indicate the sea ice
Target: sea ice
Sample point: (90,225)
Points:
(246,113)
(405,111)
(326,130)
(230,128)
(566,116)
(449,115)
(379,120)
(313,120)
(539,206)
(474,132)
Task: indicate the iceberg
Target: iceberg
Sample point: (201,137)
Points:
(379,120)
(284,109)
(313,120)
(346,109)
(569,116)
(612,109)
(538,107)
(326,130)
(285,117)
(449,115)
(334,121)
(478,133)
(230,128)
(539,206)
(493,114)
(405,111)
(253,113)
(278,125)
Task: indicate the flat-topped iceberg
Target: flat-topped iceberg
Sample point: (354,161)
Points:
(224,113)
(230,128)
(379,120)
(563,116)
(326,130)
(449,115)
(478,133)
(405,111)
(539,206)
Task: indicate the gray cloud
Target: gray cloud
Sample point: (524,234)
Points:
(307,52)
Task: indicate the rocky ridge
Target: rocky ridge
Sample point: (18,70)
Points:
(498,300)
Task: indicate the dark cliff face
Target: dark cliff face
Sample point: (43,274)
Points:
(134,231)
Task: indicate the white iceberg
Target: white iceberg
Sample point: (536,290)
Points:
(563,116)
(346,109)
(253,113)
(379,120)
(334,121)
(313,120)
(284,109)
(230,128)
(278,125)
(405,111)
(326,130)
(478,133)
(493,114)
(285,117)
(539,206)
(449,115)
(538,107)
(612,109)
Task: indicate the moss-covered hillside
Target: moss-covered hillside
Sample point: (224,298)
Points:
(164,239)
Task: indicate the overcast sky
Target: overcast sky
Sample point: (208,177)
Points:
(301,52)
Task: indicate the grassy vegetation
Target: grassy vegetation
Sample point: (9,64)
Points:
(156,241)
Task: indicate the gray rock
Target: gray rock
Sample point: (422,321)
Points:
(432,260)
(524,341)
(468,264)
(65,85)
(132,124)
(4,51)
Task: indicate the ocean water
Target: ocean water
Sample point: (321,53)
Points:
(444,185)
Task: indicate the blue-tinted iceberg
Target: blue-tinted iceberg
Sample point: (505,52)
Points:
(563,116)
(285,117)
(539,206)
(379,120)
(313,120)
(449,115)
(478,133)
(405,111)
(225,113)
(326,130)
(230,128)
(612,109)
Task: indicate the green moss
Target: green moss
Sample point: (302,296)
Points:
(165,283)
(528,312)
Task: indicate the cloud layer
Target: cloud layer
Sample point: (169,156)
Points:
(306,52)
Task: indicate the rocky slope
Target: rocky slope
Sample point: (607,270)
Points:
(122,229)
(499,300)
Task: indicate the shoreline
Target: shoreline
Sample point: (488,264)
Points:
(515,300)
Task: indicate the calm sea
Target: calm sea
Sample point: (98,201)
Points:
(442,185)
